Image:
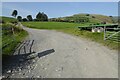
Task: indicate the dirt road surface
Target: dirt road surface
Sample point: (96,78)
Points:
(61,55)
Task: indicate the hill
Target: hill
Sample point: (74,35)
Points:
(91,18)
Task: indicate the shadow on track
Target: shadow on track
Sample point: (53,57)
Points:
(21,61)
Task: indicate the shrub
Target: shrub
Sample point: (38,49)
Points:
(87,14)
(103,22)
(93,16)
(24,19)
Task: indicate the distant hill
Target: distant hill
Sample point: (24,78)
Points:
(93,18)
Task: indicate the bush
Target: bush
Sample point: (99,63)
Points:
(1,21)
(93,16)
(97,23)
(24,19)
(87,14)
(103,22)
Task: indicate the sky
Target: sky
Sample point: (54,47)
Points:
(59,9)
(60,0)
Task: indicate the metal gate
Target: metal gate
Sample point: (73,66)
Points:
(112,34)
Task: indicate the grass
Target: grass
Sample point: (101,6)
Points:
(12,40)
(52,25)
(97,37)
(72,28)
(8,19)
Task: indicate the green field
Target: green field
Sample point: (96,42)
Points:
(72,28)
(53,25)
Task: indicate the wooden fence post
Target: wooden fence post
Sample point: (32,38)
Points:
(104,32)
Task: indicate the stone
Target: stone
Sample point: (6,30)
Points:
(9,71)
(26,76)
(19,73)
(3,76)
(86,48)
(34,61)
(45,68)
(19,69)
(15,71)
(13,74)
(23,73)
(29,71)
(28,67)
(38,76)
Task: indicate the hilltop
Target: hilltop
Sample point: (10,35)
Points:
(91,18)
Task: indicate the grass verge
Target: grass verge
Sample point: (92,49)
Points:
(11,40)
(97,37)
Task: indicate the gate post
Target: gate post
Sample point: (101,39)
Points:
(104,32)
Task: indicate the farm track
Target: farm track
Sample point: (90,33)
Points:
(60,55)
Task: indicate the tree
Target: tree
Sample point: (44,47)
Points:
(29,17)
(24,19)
(44,17)
(38,16)
(87,14)
(111,16)
(14,13)
(19,18)
(41,17)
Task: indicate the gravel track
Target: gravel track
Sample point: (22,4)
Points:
(66,56)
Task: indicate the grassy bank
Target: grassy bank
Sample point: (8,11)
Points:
(10,40)
(72,28)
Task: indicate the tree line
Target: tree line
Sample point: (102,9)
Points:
(39,17)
